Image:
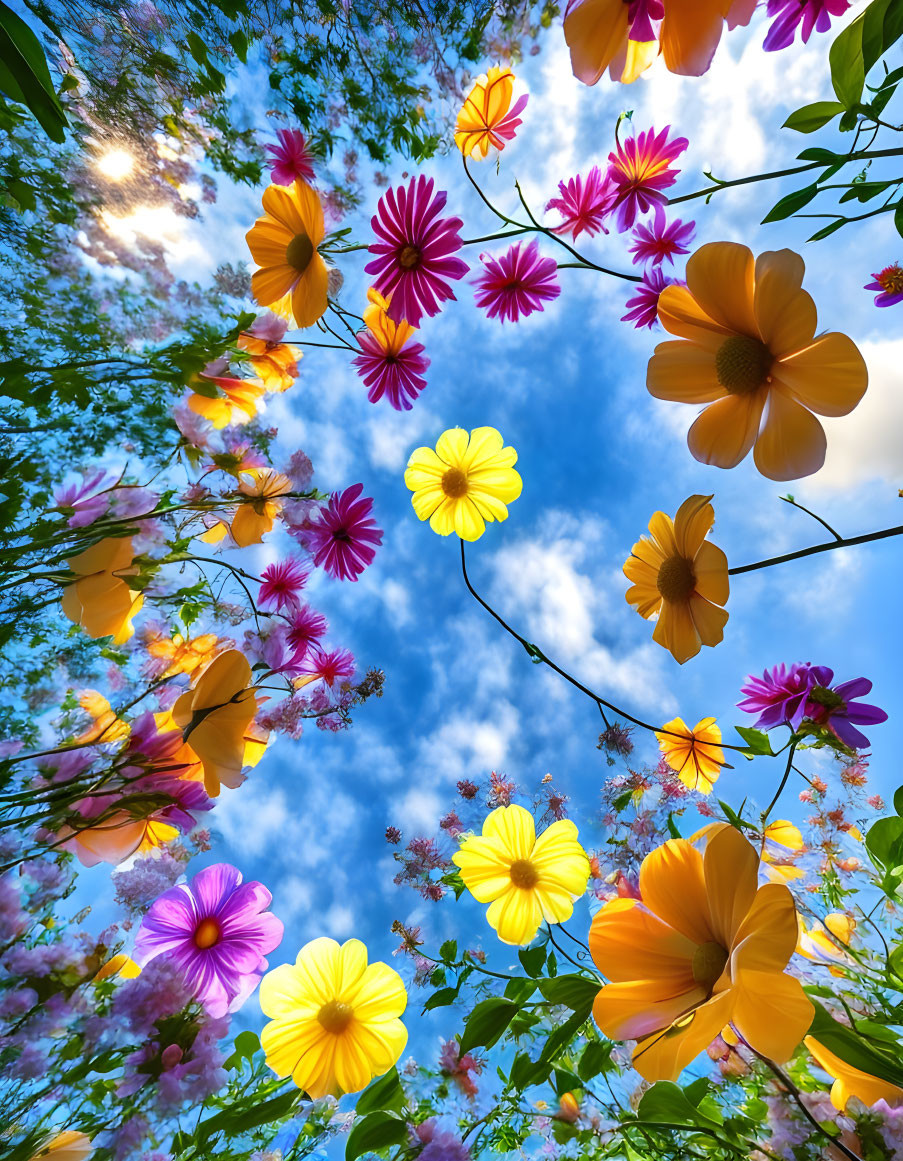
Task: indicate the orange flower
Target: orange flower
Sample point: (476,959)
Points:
(178,654)
(704,947)
(695,755)
(275,363)
(293,276)
(118,965)
(215,716)
(486,118)
(852,1082)
(66,1146)
(119,836)
(252,521)
(681,576)
(106,727)
(99,600)
(238,403)
(747,347)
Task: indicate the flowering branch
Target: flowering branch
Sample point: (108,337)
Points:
(840,542)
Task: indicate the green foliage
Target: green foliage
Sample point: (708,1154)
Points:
(24,77)
(373,1132)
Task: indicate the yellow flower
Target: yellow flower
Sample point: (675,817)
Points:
(215,716)
(391,335)
(275,363)
(293,277)
(99,600)
(66,1146)
(107,727)
(852,1082)
(486,118)
(695,755)
(334,1020)
(820,942)
(524,879)
(704,947)
(681,576)
(464,482)
(178,654)
(747,348)
(119,836)
(118,965)
(238,404)
(783,843)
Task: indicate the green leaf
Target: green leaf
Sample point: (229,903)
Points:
(757,741)
(788,205)
(884,843)
(533,958)
(666,1102)
(525,1072)
(853,1049)
(449,951)
(898,222)
(826,231)
(385,1093)
(596,1058)
(575,992)
(239,42)
(441,999)
(814,116)
(847,66)
(24,76)
(519,990)
(245,1045)
(486,1023)
(377,1131)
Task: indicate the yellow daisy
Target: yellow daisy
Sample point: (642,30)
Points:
(334,1019)
(694,755)
(524,879)
(466,481)
(292,278)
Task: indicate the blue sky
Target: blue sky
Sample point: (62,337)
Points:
(598,455)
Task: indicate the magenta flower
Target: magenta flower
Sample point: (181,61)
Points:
(306,627)
(584,203)
(643,306)
(328,666)
(640,16)
(291,158)
(281,584)
(888,284)
(779,696)
(343,540)
(517,283)
(85,501)
(397,374)
(414,251)
(836,707)
(661,239)
(793,14)
(641,170)
(216,930)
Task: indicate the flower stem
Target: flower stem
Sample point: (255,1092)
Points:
(780,789)
(840,542)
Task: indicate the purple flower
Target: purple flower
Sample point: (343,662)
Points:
(281,585)
(643,306)
(584,203)
(661,239)
(343,540)
(791,14)
(641,170)
(517,283)
(836,707)
(159,992)
(779,696)
(888,284)
(216,931)
(291,158)
(396,371)
(439,1144)
(328,666)
(414,250)
(86,500)
(306,628)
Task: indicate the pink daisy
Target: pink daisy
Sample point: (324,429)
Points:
(281,584)
(344,537)
(887,282)
(643,306)
(414,250)
(584,203)
(336,665)
(641,169)
(517,283)
(397,374)
(306,627)
(661,239)
(291,158)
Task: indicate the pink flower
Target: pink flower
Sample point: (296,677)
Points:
(86,500)
(414,250)
(661,239)
(791,14)
(306,628)
(291,158)
(281,584)
(269,327)
(397,374)
(887,282)
(641,169)
(584,203)
(643,306)
(329,667)
(343,540)
(517,283)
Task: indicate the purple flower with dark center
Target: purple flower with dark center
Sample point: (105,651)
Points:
(836,707)
(804,14)
(414,251)
(328,666)
(517,283)
(343,540)
(779,696)
(306,627)
(643,306)
(291,158)
(216,931)
(395,370)
(281,584)
(584,203)
(641,170)
(888,285)
(661,239)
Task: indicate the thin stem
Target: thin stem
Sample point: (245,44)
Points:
(824,523)
(780,789)
(841,542)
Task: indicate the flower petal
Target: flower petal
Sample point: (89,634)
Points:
(792,443)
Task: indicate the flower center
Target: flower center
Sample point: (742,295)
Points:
(409,256)
(335,1016)
(454,483)
(891,279)
(299,252)
(708,964)
(523,873)
(207,933)
(676,579)
(826,697)
(742,364)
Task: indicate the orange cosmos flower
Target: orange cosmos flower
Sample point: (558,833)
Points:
(252,521)
(682,577)
(695,755)
(486,119)
(178,654)
(274,361)
(703,947)
(106,726)
(99,600)
(852,1082)
(215,715)
(283,242)
(747,347)
(238,403)
(66,1146)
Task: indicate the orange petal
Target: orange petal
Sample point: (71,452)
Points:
(725,432)
(627,942)
(683,373)
(690,33)
(664,1057)
(627,1011)
(271,283)
(767,937)
(692,523)
(785,314)
(772,1013)
(676,631)
(731,868)
(672,885)
(829,377)
(595,31)
(792,442)
(710,569)
(721,277)
(309,296)
(680,314)
(709,620)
